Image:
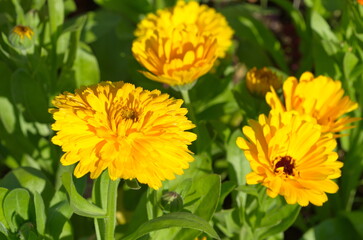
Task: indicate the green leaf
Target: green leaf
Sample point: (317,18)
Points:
(322,28)
(100,23)
(252,32)
(3,232)
(58,215)
(200,197)
(56,17)
(349,62)
(239,165)
(3,192)
(356,219)
(84,72)
(251,190)
(86,67)
(7,115)
(99,197)
(332,229)
(16,207)
(133,184)
(31,179)
(79,204)
(75,25)
(179,219)
(130,9)
(226,188)
(226,221)
(324,64)
(40,213)
(30,95)
(279,220)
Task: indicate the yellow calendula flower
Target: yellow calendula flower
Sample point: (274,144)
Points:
(177,58)
(205,19)
(291,157)
(134,133)
(21,37)
(319,98)
(259,81)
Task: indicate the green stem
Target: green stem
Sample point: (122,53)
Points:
(191,112)
(110,220)
(193,118)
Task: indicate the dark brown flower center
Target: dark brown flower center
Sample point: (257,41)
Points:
(287,163)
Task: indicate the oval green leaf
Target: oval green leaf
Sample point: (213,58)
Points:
(79,204)
(176,219)
(16,207)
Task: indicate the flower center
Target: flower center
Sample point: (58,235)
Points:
(285,165)
(128,113)
(22,31)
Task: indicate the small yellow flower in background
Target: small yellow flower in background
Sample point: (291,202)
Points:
(291,157)
(177,59)
(23,31)
(134,133)
(204,19)
(21,37)
(180,44)
(203,238)
(318,98)
(360,2)
(259,81)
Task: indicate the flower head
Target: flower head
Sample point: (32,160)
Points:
(291,157)
(177,58)
(132,132)
(259,81)
(21,37)
(184,15)
(360,2)
(320,99)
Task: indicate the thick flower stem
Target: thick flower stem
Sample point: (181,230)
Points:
(191,114)
(185,94)
(110,220)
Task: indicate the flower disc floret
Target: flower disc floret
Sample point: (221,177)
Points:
(291,157)
(134,133)
(321,99)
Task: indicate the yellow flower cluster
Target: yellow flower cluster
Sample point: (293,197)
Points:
(291,151)
(180,44)
(134,133)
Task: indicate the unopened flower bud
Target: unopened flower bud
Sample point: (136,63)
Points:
(259,81)
(172,201)
(21,37)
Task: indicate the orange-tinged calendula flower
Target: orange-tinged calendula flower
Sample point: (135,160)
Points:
(319,98)
(291,157)
(259,81)
(360,2)
(204,19)
(134,133)
(177,58)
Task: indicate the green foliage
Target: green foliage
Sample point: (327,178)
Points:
(39,198)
